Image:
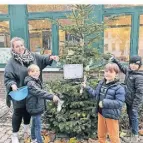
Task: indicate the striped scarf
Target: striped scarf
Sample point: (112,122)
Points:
(25,58)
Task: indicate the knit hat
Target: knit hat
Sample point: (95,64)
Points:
(136,60)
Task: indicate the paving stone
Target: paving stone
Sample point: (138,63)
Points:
(4,138)
(8,141)
(6,129)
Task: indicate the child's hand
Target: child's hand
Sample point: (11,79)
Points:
(101,104)
(56,58)
(55,99)
(83,84)
(112,58)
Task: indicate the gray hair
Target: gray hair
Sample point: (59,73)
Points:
(15,39)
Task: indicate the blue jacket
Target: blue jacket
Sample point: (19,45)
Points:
(113,100)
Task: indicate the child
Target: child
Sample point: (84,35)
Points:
(110,96)
(35,102)
(134,83)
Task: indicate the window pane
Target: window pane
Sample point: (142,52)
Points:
(66,37)
(40,36)
(4,42)
(140,49)
(47,8)
(3,9)
(117,37)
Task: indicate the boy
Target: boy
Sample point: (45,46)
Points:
(35,103)
(110,96)
(134,92)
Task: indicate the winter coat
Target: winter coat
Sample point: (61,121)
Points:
(35,103)
(15,73)
(112,101)
(134,84)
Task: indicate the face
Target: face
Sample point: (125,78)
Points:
(134,67)
(18,47)
(35,73)
(110,75)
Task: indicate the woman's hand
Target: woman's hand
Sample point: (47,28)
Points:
(14,87)
(55,58)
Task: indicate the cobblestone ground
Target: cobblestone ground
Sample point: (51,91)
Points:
(5,123)
(6,129)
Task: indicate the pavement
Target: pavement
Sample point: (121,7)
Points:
(6,128)
(5,123)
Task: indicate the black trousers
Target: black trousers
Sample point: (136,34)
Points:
(18,115)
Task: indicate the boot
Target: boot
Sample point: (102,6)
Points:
(14,138)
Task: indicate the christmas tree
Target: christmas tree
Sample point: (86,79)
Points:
(77,117)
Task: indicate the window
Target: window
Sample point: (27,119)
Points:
(3,9)
(66,37)
(40,36)
(117,36)
(140,49)
(47,8)
(4,42)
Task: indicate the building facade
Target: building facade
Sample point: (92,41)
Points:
(122,37)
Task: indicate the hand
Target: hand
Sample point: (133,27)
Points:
(55,99)
(101,104)
(112,58)
(14,87)
(55,58)
(83,84)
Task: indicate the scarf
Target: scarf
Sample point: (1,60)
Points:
(25,58)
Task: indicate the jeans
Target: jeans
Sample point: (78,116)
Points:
(36,128)
(17,117)
(133,119)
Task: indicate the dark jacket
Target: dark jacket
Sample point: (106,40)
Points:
(113,99)
(134,83)
(15,73)
(35,103)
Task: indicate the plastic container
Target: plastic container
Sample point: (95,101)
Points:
(19,94)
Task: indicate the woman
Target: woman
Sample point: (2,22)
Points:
(15,72)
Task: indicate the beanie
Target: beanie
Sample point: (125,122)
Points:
(136,60)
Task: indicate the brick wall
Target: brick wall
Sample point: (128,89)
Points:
(2,87)
(46,76)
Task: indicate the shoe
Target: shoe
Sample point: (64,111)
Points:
(14,139)
(34,141)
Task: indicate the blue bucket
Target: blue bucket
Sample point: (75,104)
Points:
(19,94)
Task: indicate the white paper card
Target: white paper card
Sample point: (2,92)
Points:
(73,71)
